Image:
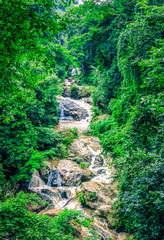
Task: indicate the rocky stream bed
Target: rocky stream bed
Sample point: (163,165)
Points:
(62,182)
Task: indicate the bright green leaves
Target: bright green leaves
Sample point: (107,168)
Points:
(141,207)
(23,27)
(134,45)
(28,83)
(153,68)
(16,222)
(133,133)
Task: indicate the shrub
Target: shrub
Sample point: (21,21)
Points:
(84,165)
(16,222)
(74,92)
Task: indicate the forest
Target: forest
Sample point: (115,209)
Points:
(119,48)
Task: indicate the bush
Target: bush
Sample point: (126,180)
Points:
(101,126)
(84,165)
(74,92)
(81,196)
(16,222)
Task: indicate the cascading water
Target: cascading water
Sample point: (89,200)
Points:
(55,191)
(54,179)
(74,113)
(62,117)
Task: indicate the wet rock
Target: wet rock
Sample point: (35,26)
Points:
(50,212)
(65,193)
(36,180)
(89,101)
(46,198)
(72,173)
(98,194)
(45,171)
(53,194)
(79,149)
(99,198)
(55,179)
(72,111)
(103,232)
(98,162)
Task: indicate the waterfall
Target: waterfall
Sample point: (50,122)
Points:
(57,189)
(55,179)
(92,162)
(50,177)
(62,115)
(59,179)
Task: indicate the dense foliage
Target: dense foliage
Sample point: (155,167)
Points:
(32,63)
(120,47)
(17,222)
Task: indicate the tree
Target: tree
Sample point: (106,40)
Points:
(28,82)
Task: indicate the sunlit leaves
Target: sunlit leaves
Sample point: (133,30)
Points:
(17,222)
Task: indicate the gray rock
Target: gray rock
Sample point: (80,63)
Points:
(72,111)
(52,194)
(36,181)
(45,171)
(72,173)
(55,179)
(98,162)
(65,193)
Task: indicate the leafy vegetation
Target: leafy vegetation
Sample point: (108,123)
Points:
(16,222)
(119,47)
(84,165)
(30,80)
(81,196)
(74,92)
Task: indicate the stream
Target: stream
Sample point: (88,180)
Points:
(60,181)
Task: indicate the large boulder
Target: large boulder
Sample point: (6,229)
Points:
(99,197)
(99,161)
(46,170)
(72,173)
(90,191)
(65,192)
(53,194)
(72,111)
(36,181)
(79,150)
